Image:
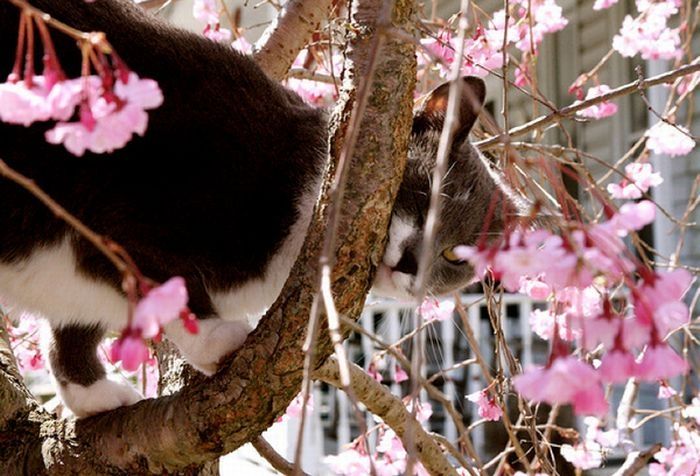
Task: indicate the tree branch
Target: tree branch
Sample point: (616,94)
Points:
(380,401)
(282,41)
(572,109)
(211,417)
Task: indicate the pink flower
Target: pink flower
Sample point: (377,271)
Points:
(218,34)
(423,411)
(586,456)
(600,110)
(642,177)
(206,11)
(400,374)
(294,409)
(349,462)
(603,4)
(107,125)
(617,366)
(665,139)
(433,310)
(633,216)
(242,45)
(666,391)
(590,401)
(535,289)
(649,33)
(661,362)
(22,105)
(599,331)
(480,259)
(567,380)
(161,305)
(487,407)
(635,334)
(131,350)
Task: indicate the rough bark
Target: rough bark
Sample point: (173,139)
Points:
(282,41)
(211,417)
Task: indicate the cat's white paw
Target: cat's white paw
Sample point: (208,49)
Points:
(98,397)
(216,339)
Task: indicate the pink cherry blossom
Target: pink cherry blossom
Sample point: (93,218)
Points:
(617,366)
(665,139)
(242,45)
(349,462)
(566,380)
(643,177)
(661,362)
(693,410)
(535,288)
(434,310)
(583,456)
(603,4)
(206,11)
(217,34)
(633,216)
(487,407)
(161,305)
(24,105)
(649,33)
(599,331)
(107,125)
(600,110)
(666,391)
(131,351)
(294,409)
(400,374)
(424,410)
(635,334)
(590,401)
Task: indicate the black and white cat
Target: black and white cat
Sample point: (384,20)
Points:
(220,190)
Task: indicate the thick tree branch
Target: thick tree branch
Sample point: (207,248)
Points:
(380,401)
(211,417)
(282,41)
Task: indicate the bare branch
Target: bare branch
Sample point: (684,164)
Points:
(266,450)
(380,401)
(572,109)
(282,41)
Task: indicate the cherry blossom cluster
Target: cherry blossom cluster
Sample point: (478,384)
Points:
(667,139)
(207,11)
(579,273)
(639,179)
(159,306)
(649,34)
(24,340)
(600,110)
(483,51)
(98,113)
(389,457)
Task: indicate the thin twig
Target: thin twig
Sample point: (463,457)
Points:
(276,460)
(572,109)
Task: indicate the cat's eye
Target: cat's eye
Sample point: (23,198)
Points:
(450,255)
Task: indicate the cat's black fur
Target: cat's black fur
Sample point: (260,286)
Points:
(210,193)
(214,180)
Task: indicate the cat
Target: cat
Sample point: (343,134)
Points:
(219,190)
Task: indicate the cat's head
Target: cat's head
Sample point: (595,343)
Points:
(474,199)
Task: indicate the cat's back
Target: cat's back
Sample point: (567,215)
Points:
(210,192)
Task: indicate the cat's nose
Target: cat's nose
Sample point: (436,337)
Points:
(407,264)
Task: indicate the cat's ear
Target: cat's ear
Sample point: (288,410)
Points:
(433,107)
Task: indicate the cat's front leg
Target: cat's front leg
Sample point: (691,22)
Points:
(215,339)
(81,380)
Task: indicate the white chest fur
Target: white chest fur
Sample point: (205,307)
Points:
(48,284)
